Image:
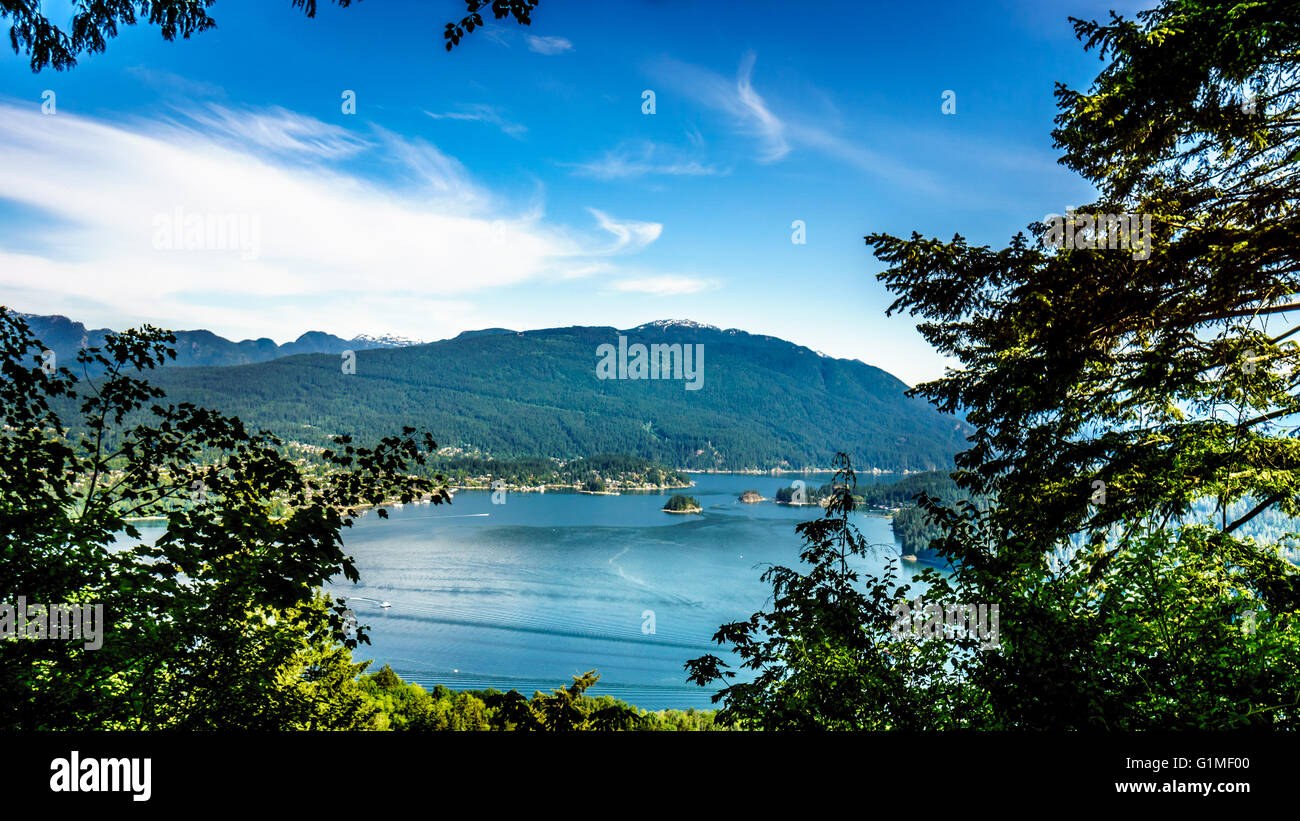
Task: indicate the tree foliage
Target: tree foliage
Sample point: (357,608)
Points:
(1111,392)
(398,705)
(521,10)
(825,656)
(1133,412)
(216,623)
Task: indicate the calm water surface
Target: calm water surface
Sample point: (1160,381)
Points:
(527,593)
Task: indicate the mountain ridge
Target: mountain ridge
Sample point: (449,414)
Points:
(201,347)
(764,403)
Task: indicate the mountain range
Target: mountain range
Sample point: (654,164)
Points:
(195,348)
(760,403)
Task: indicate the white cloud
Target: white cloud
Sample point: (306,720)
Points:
(548,45)
(480,113)
(334,250)
(779,135)
(629,235)
(494,34)
(865,159)
(175,84)
(278,130)
(745,107)
(643,158)
(666,285)
(768,125)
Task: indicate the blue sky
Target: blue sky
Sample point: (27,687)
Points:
(516,181)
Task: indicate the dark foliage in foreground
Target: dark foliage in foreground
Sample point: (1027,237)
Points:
(398,705)
(217,623)
(1134,411)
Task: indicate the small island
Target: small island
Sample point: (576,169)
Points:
(751,497)
(682,504)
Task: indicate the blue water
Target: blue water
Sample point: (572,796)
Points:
(528,593)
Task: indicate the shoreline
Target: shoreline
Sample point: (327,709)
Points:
(363,509)
(793,471)
(574,487)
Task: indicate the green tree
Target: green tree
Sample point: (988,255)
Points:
(1114,389)
(217,622)
(825,656)
(392,704)
(561,710)
(1130,409)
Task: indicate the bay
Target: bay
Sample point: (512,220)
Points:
(527,593)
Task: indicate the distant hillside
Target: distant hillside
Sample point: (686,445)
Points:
(910,523)
(196,348)
(763,403)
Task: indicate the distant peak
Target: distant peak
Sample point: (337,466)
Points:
(387,340)
(677,323)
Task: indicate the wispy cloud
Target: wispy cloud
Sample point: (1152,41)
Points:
(642,158)
(769,127)
(629,235)
(495,34)
(335,249)
(174,84)
(548,45)
(481,113)
(780,133)
(865,159)
(736,98)
(278,130)
(664,285)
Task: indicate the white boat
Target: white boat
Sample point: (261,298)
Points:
(385,604)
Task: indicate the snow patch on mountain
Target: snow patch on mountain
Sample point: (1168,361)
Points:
(677,323)
(386,341)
